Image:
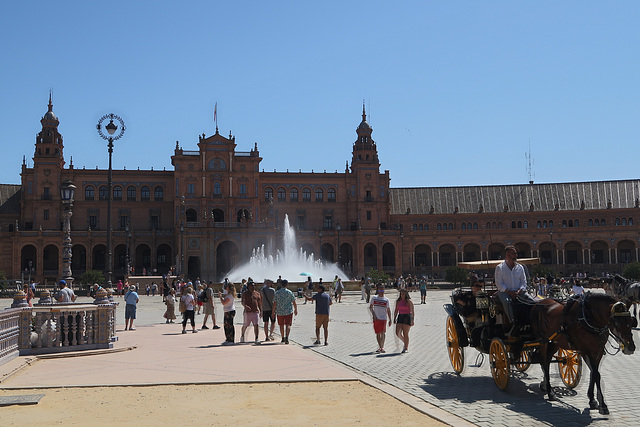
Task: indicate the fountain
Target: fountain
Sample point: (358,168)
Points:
(292,263)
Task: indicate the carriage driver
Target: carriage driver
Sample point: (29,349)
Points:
(511,282)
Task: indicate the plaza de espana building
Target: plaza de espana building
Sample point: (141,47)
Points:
(208,214)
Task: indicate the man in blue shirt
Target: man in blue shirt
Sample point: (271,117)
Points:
(131,298)
(323,301)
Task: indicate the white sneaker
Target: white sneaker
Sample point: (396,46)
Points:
(257,341)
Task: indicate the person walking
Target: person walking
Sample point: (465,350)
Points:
(189,313)
(227,299)
(323,301)
(284,307)
(423,291)
(131,299)
(268,294)
(403,317)
(208,307)
(339,290)
(252,304)
(170,301)
(381,314)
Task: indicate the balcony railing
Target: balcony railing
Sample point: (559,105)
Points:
(55,328)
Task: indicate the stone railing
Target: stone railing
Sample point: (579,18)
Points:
(9,328)
(55,328)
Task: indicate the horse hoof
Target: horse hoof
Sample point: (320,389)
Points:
(593,405)
(543,387)
(552,398)
(604,411)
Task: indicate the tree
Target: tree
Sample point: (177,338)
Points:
(377,276)
(90,277)
(456,275)
(632,271)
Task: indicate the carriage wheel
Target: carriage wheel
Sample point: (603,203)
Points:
(499,363)
(524,361)
(456,352)
(570,367)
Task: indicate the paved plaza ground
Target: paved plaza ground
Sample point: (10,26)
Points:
(422,375)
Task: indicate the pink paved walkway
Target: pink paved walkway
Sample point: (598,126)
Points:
(163,355)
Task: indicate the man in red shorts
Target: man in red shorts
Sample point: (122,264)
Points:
(381,314)
(284,306)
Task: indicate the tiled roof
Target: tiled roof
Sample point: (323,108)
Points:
(516,198)
(10,199)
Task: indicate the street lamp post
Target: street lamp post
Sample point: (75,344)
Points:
(67,190)
(113,134)
(181,248)
(320,236)
(338,229)
(128,231)
(30,268)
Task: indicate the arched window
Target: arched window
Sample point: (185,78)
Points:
(268,194)
(158,194)
(624,221)
(519,224)
(488,225)
(463,226)
(564,223)
(293,194)
(469,226)
(117,193)
(131,193)
(414,227)
(103,193)
(550,223)
(89,192)
(617,221)
(306,195)
(576,223)
(630,221)
(426,226)
(590,223)
(319,195)
(217,189)
(597,222)
(525,224)
(500,224)
(192,215)
(282,194)
(331,195)
(603,222)
(420,227)
(570,223)
(450,226)
(439,227)
(475,225)
(539,224)
(513,224)
(145,194)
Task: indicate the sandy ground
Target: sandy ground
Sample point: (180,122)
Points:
(264,404)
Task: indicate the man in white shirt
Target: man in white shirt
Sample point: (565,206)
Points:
(511,281)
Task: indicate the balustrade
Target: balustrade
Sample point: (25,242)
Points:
(54,328)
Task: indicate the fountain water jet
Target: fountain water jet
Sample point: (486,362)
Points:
(288,263)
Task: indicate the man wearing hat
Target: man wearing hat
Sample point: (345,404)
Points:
(65,294)
(381,313)
(132,299)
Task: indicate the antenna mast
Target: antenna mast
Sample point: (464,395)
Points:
(529,164)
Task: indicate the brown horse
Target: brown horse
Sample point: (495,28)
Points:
(584,326)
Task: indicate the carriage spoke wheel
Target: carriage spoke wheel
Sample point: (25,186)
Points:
(456,352)
(524,361)
(499,363)
(570,367)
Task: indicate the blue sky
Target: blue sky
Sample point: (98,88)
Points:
(455,91)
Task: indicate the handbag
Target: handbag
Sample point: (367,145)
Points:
(182,307)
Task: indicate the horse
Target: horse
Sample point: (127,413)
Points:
(628,292)
(583,325)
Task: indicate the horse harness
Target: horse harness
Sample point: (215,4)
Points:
(582,319)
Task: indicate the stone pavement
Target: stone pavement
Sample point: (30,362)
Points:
(425,371)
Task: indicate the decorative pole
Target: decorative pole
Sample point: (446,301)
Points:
(67,190)
(110,136)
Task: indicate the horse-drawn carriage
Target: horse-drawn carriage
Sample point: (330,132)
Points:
(475,320)
(557,332)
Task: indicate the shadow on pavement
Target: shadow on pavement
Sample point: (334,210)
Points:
(519,397)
